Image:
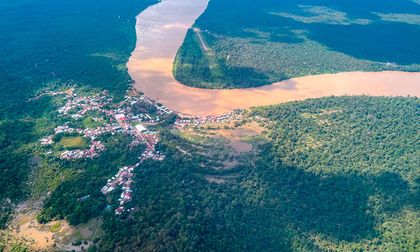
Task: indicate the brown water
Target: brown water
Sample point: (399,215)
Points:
(160,33)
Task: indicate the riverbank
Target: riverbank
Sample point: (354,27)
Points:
(160,32)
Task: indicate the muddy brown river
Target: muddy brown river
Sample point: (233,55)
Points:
(160,33)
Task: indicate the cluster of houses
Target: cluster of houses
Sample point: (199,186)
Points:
(121,118)
(68,93)
(123,178)
(64,129)
(125,174)
(162,110)
(95,148)
(95,132)
(77,106)
(47,140)
(125,111)
(197,121)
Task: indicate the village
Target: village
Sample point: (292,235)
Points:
(132,116)
(120,119)
(197,121)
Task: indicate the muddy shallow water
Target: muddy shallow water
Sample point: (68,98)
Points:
(160,33)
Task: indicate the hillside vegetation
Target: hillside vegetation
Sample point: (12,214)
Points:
(340,173)
(332,174)
(46,42)
(253,43)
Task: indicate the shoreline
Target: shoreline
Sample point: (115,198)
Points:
(161,30)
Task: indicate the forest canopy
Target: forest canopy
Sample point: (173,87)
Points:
(47,43)
(340,173)
(254,43)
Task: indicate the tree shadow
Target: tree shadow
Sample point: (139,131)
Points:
(338,206)
(380,42)
(358,32)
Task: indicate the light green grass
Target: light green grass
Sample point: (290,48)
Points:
(55,227)
(71,142)
(89,122)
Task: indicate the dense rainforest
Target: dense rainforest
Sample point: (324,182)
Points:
(253,43)
(338,173)
(44,43)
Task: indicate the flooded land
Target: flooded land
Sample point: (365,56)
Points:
(160,31)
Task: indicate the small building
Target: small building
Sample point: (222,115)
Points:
(120,117)
(140,128)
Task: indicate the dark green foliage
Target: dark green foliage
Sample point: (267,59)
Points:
(345,152)
(65,201)
(5,211)
(370,135)
(14,163)
(273,40)
(74,42)
(191,63)
(80,41)
(344,192)
(341,173)
(192,67)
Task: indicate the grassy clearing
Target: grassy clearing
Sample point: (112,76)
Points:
(54,228)
(92,122)
(73,142)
